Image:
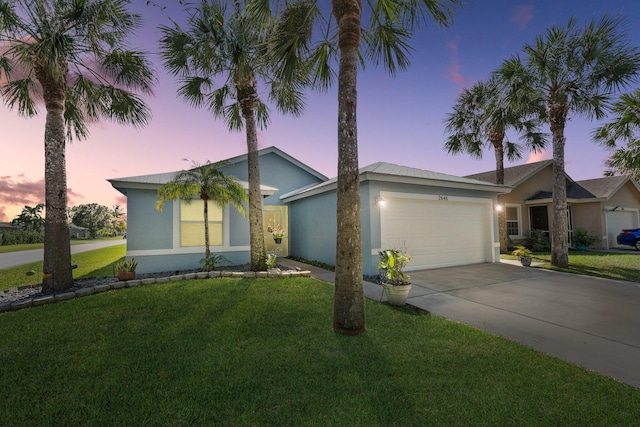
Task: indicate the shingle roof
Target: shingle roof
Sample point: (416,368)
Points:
(574,191)
(514,175)
(400,173)
(604,187)
(384,168)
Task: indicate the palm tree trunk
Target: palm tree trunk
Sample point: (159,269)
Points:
(502,212)
(559,229)
(247,96)
(207,251)
(57,274)
(348,314)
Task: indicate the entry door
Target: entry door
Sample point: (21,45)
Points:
(276,217)
(539,218)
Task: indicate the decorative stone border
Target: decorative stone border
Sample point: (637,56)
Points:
(38,300)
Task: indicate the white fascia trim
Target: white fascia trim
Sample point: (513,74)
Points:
(185,251)
(436,197)
(492,188)
(608,209)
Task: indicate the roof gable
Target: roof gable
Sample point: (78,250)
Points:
(515,175)
(606,187)
(383,171)
(153,181)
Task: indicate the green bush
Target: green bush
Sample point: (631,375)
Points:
(21,237)
(538,242)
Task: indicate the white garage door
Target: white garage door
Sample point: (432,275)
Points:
(618,221)
(438,233)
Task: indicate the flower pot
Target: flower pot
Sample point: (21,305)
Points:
(525,260)
(278,240)
(396,294)
(126,275)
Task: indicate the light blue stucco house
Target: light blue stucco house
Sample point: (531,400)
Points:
(441,220)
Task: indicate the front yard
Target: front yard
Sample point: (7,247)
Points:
(619,266)
(262,352)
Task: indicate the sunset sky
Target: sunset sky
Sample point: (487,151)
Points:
(400,120)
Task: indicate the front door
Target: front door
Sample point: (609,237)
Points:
(276,218)
(539,219)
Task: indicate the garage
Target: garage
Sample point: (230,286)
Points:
(437,230)
(618,220)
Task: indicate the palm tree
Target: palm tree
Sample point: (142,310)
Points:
(221,58)
(624,127)
(70,55)
(208,183)
(30,218)
(575,71)
(385,40)
(482,116)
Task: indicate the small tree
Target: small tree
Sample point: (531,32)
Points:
(30,219)
(208,183)
(92,216)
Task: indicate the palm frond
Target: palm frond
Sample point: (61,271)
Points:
(129,69)
(20,94)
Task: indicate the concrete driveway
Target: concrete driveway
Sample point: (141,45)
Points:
(589,321)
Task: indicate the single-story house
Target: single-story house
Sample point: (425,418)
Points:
(603,206)
(77,232)
(440,220)
(7,227)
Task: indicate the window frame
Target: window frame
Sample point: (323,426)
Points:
(518,209)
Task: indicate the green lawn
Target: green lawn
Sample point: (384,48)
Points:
(96,263)
(619,266)
(262,352)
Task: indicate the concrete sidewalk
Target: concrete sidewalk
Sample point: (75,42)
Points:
(589,321)
(13,259)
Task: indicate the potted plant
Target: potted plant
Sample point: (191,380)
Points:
(277,233)
(582,239)
(524,254)
(126,270)
(395,282)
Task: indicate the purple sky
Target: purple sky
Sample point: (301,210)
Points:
(400,120)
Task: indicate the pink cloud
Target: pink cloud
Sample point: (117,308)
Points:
(121,201)
(538,157)
(18,192)
(453,69)
(3,215)
(522,16)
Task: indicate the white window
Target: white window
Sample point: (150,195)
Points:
(514,220)
(192,223)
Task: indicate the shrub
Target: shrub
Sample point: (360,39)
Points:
(538,241)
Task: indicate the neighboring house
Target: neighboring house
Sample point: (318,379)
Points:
(603,206)
(77,232)
(7,227)
(440,220)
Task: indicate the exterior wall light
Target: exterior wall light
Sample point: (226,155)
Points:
(498,208)
(381,201)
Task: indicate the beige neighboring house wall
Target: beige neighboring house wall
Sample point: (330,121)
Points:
(603,206)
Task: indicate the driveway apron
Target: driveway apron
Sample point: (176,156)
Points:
(588,321)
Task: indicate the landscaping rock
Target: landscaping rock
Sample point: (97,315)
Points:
(65,296)
(42,300)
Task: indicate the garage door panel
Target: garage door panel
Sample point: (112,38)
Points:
(437,233)
(618,221)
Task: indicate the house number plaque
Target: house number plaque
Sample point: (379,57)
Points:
(443,198)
